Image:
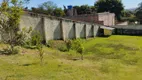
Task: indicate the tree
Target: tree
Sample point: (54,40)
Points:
(49,8)
(139,12)
(58,12)
(85,9)
(36,40)
(11,11)
(113,6)
(78,46)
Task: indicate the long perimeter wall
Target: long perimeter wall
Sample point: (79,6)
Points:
(52,28)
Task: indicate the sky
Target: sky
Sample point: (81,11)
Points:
(127,3)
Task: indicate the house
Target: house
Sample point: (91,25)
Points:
(105,18)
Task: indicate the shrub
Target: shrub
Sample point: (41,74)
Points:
(36,38)
(68,44)
(50,43)
(63,48)
(9,51)
(34,41)
(78,46)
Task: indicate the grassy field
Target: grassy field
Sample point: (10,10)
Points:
(112,58)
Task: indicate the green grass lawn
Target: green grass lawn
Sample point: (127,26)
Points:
(112,58)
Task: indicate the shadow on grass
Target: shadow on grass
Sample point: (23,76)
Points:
(29,64)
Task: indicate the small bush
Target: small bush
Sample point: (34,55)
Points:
(35,40)
(78,46)
(68,44)
(63,48)
(50,43)
(9,51)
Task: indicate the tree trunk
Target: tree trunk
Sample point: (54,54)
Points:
(82,58)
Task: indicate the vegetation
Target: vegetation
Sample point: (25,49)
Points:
(49,8)
(113,6)
(85,9)
(139,12)
(10,18)
(116,57)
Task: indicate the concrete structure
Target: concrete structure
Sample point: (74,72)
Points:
(128,30)
(106,18)
(53,28)
(123,23)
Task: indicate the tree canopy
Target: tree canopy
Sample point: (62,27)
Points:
(139,12)
(113,6)
(49,8)
(84,9)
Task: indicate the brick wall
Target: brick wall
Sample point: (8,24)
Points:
(105,18)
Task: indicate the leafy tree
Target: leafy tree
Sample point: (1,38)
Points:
(139,12)
(113,6)
(36,40)
(11,11)
(78,46)
(84,9)
(49,8)
(58,12)
(128,15)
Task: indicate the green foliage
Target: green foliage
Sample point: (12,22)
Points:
(128,67)
(41,52)
(85,9)
(58,12)
(113,6)
(34,41)
(63,48)
(68,44)
(11,12)
(50,43)
(139,12)
(60,45)
(9,51)
(78,46)
(36,38)
(49,8)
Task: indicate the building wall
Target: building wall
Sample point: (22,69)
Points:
(107,18)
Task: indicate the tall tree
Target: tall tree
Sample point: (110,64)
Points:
(113,6)
(84,9)
(139,12)
(11,12)
(49,8)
